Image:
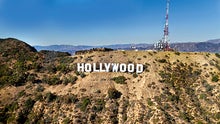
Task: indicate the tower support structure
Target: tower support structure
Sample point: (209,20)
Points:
(163,44)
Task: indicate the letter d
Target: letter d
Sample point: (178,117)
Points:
(139,68)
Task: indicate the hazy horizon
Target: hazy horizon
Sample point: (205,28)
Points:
(120,43)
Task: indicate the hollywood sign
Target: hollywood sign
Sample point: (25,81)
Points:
(109,67)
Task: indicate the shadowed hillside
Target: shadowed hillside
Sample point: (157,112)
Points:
(175,87)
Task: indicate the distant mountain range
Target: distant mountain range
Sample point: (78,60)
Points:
(207,46)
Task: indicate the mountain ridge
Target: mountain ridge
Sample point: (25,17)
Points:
(206,46)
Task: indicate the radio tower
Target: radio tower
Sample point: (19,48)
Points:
(164,43)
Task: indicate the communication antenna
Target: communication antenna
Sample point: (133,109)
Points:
(164,43)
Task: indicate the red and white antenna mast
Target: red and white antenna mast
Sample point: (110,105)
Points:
(164,43)
(166,27)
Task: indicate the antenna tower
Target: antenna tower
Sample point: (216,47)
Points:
(164,43)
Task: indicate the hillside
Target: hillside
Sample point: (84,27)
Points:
(175,87)
(12,43)
(13,48)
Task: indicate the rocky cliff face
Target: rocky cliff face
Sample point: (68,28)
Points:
(175,87)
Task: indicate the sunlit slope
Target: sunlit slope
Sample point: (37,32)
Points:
(175,87)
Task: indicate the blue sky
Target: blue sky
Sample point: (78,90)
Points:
(102,22)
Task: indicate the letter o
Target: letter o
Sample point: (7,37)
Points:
(123,68)
(88,67)
(130,67)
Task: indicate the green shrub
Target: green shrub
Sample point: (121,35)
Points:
(208,87)
(40,88)
(22,116)
(215,78)
(162,60)
(167,56)
(173,98)
(202,96)
(185,116)
(77,73)
(51,68)
(119,80)
(16,79)
(98,91)
(31,77)
(20,66)
(150,53)
(217,66)
(29,103)
(177,53)
(135,75)
(52,80)
(66,120)
(21,93)
(70,99)
(99,105)
(149,102)
(124,117)
(217,116)
(113,93)
(12,107)
(70,79)
(217,55)
(63,68)
(36,66)
(84,104)
(92,117)
(50,97)
(199,122)
(39,97)
(82,75)
(114,120)
(4,70)
(146,65)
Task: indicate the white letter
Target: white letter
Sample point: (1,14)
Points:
(101,68)
(80,67)
(122,67)
(94,68)
(115,67)
(107,66)
(139,68)
(130,67)
(88,67)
